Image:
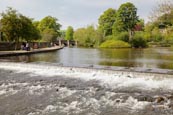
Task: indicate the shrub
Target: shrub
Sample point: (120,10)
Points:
(138,41)
(110,37)
(115,44)
(123,36)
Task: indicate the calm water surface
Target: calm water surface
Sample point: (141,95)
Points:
(145,58)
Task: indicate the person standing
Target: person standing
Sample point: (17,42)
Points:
(27,46)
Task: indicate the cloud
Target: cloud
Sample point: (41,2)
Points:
(76,13)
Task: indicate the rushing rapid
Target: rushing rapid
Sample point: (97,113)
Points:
(48,89)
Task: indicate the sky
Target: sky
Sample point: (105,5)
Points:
(75,13)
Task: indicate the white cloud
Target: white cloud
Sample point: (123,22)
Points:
(77,13)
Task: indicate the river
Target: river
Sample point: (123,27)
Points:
(80,81)
(145,58)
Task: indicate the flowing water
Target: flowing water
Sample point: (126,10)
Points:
(48,84)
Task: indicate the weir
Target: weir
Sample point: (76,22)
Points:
(89,73)
(49,89)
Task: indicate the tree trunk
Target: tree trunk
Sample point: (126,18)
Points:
(16,43)
(130,35)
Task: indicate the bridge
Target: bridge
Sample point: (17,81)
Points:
(66,43)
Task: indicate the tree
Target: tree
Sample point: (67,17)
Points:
(49,35)
(106,21)
(161,21)
(69,33)
(79,35)
(16,27)
(10,24)
(49,22)
(126,19)
(163,11)
(49,26)
(88,37)
(28,31)
(139,25)
(62,34)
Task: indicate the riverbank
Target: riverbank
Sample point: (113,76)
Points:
(33,51)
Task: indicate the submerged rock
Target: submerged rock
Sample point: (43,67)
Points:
(147,98)
(160,99)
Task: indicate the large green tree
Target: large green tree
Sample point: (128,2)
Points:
(106,21)
(49,35)
(126,19)
(88,37)
(17,27)
(11,24)
(28,31)
(49,26)
(49,22)
(69,33)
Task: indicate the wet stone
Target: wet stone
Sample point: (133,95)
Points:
(160,99)
(170,97)
(170,105)
(145,98)
(57,90)
(117,100)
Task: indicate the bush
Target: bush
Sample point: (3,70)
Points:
(123,36)
(114,44)
(138,41)
(110,37)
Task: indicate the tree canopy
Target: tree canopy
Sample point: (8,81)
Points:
(106,21)
(69,33)
(49,27)
(126,19)
(16,27)
(88,37)
(49,22)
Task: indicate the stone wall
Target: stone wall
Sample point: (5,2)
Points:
(6,46)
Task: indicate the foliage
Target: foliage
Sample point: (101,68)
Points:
(62,34)
(139,41)
(139,25)
(49,35)
(110,37)
(69,33)
(50,28)
(163,12)
(156,35)
(162,22)
(49,22)
(126,19)
(16,27)
(87,37)
(106,21)
(28,31)
(114,44)
(123,36)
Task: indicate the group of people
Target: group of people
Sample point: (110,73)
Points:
(25,46)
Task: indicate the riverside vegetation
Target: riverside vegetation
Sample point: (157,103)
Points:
(117,28)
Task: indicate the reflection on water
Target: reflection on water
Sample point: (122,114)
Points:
(146,58)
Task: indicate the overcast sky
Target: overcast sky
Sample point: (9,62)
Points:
(75,13)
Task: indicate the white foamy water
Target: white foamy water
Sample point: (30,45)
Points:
(7,89)
(89,104)
(117,92)
(109,79)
